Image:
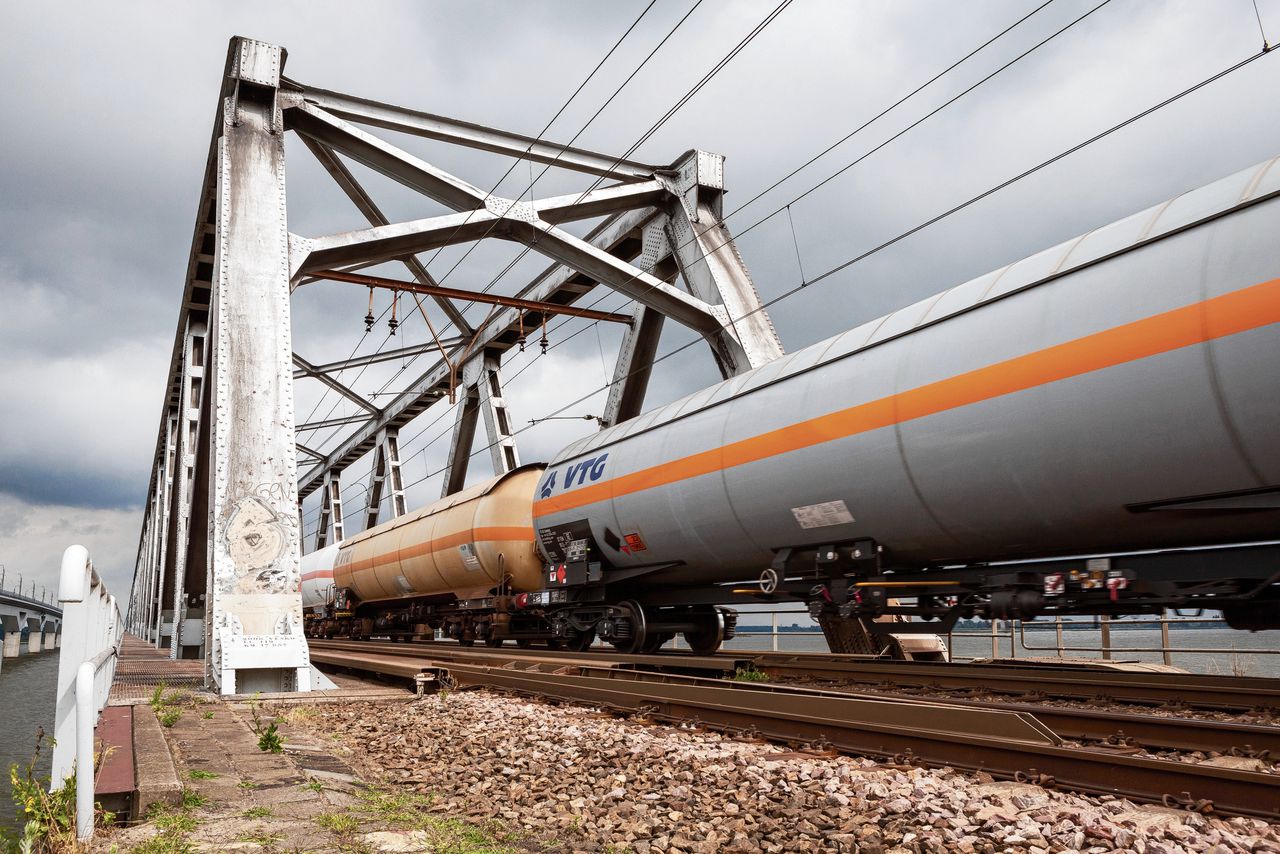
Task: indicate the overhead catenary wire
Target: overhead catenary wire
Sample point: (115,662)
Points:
(591,75)
(493,282)
(811,160)
(863,126)
(893,138)
(596,114)
(799,287)
(671,112)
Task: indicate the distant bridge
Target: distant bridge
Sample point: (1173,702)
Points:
(28,623)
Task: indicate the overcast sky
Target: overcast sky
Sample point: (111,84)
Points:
(107,113)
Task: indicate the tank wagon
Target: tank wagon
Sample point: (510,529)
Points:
(1091,430)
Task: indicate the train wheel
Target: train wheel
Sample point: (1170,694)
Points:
(555,643)
(523,643)
(493,643)
(654,642)
(639,629)
(466,641)
(710,633)
(582,641)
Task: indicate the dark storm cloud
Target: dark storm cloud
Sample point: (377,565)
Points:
(36,482)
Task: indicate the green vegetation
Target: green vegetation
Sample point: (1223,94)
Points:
(164,844)
(171,821)
(267,730)
(192,800)
(208,716)
(259,837)
(749,674)
(409,811)
(336,822)
(247,784)
(314,785)
(258,812)
(197,774)
(48,818)
(166,705)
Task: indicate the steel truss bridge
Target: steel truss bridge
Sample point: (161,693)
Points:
(217,574)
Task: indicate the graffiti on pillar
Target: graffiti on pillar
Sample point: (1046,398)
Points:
(255,539)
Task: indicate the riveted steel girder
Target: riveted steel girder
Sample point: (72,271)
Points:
(658,223)
(470,135)
(253,581)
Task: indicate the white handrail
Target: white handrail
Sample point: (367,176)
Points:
(92,628)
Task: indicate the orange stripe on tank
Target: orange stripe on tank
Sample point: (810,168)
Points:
(517,533)
(1238,311)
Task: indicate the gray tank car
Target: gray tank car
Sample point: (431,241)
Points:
(1032,441)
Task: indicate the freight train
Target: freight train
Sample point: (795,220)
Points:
(1091,430)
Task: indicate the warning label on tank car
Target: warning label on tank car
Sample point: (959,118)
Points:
(567,543)
(822,515)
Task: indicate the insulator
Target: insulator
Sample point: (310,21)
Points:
(368,322)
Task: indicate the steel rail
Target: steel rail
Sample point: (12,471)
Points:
(1229,693)
(451,651)
(1074,682)
(1005,744)
(1125,729)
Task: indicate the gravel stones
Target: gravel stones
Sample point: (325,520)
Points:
(574,779)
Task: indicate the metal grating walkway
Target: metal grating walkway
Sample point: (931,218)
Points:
(141,667)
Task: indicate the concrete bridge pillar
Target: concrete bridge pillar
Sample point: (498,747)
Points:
(47,632)
(12,635)
(33,634)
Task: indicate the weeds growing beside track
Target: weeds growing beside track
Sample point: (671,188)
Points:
(166,706)
(49,818)
(268,731)
(174,823)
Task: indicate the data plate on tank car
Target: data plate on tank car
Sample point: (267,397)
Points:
(822,515)
(568,543)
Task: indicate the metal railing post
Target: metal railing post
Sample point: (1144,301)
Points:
(1057,625)
(86,718)
(1105,623)
(775,631)
(86,666)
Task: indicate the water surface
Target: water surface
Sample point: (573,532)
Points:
(28,689)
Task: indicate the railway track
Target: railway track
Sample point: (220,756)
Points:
(1065,682)
(1013,740)
(1068,682)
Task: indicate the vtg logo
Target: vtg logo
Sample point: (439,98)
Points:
(579,473)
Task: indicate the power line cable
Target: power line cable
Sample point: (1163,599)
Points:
(493,282)
(719,65)
(545,128)
(916,229)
